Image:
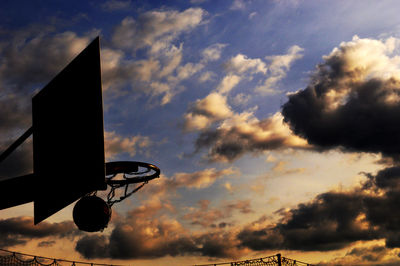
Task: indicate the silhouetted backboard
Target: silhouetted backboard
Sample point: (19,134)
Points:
(68,135)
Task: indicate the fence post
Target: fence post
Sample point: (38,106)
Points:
(279,259)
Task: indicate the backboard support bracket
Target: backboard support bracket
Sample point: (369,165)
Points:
(12,193)
(15,145)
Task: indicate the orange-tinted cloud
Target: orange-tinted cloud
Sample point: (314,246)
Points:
(115,144)
(244,133)
(20,230)
(213,217)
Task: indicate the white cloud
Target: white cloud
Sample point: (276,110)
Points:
(188,70)
(153,76)
(166,186)
(278,68)
(173,57)
(241,99)
(228,83)
(159,75)
(159,88)
(206,76)
(213,52)
(118,72)
(115,144)
(206,111)
(238,5)
(268,87)
(229,135)
(252,15)
(281,63)
(143,69)
(201,179)
(155,29)
(368,58)
(241,64)
(280,168)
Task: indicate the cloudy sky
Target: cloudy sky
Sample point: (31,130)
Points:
(275,124)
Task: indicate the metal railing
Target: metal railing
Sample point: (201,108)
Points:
(10,258)
(269,261)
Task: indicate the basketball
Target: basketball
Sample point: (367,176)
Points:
(91,214)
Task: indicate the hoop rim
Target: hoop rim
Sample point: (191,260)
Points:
(130,167)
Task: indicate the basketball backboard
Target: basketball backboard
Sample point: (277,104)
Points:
(68,135)
(68,140)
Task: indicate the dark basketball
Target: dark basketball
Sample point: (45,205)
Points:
(91,214)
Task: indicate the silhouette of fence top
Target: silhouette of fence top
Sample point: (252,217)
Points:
(269,261)
(10,258)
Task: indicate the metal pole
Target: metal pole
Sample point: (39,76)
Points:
(17,190)
(279,259)
(18,142)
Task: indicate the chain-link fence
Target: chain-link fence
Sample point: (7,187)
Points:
(9,258)
(266,261)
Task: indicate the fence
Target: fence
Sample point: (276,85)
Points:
(266,261)
(10,258)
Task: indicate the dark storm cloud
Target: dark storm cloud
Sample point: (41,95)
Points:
(15,113)
(93,246)
(138,236)
(20,230)
(15,118)
(352,102)
(260,239)
(31,58)
(334,220)
(19,162)
(9,241)
(124,244)
(330,222)
(387,178)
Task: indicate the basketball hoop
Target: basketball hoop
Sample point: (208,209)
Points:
(92,214)
(132,173)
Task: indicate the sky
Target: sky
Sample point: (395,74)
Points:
(274,124)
